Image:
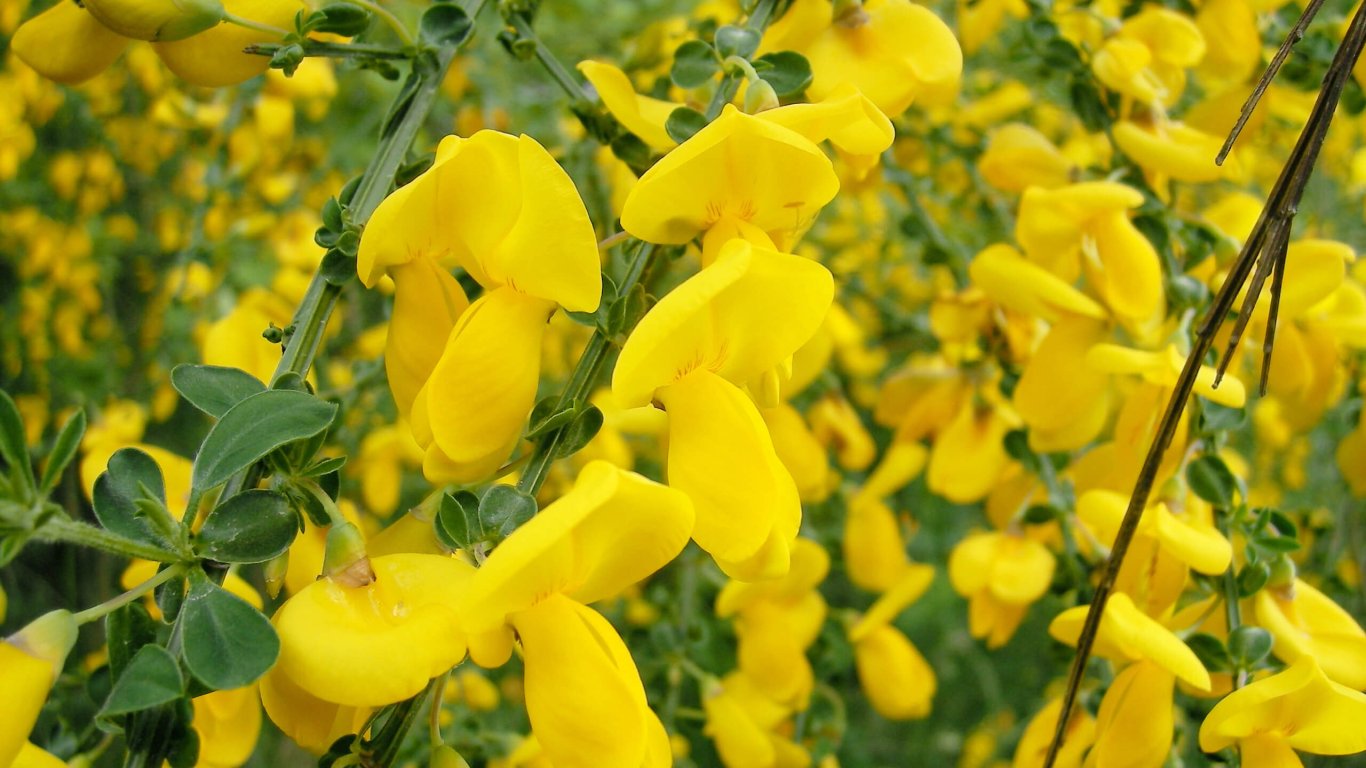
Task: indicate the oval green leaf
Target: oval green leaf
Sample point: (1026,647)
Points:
(214,389)
(250,527)
(228,643)
(255,427)
(151,679)
(131,477)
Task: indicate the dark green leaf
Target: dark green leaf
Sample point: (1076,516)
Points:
(228,643)
(325,466)
(1221,418)
(631,150)
(214,389)
(255,427)
(343,19)
(1276,543)
(1211,480)
(444,24)
(152,678)
(585,427)
(504,508)
(170,597)
(63,451)
(732,40)
(1211,652)
(1283,524)
(13,444)
(683,123)
(132,476)
(544,417)
(1248,645)
(127,629)
(457,521)
(1038,514)
(787,71)
(695,63)
(338,267)
(250,527)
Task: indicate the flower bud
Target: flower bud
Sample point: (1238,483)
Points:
(157,20)
(760,96)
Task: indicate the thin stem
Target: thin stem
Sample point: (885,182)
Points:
(434,716)
(1281,206)
(334,50)
(1232,612)
(269,29)
(61,528)
(567,82)
(580,384)
(114,603)
(389,18)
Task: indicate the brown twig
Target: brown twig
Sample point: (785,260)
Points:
(1264,253)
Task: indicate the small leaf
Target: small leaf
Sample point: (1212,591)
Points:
(1248,645)
(683,123)
(255,427)
(695,63)
(1211,480)
(325,466)
(228,643)
(1252,578)
(13,444)
(1276,543)
(584,428)
(787,71)
(214,389)
(345,19)
(733,40)
(63,451)
(545,418)
(1221,418)
(128,629)
(250,527)
(1038,514)
(1211,652)
(338,267)
(132,476)
(504,508)
(152,678)
(444,24)
(457,521)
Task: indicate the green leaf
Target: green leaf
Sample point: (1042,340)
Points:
(1211,480)
(587,422)
(1038,514)
(325,466)
(1211,652)
(457,521)
(345,19)
(1248,645)
(214,389)
(132,476)
(683,123)
(337,267)
(504,508)
(13,443)
(1276,543)
(255,427)
(544,417)
(787,71)
(63,451)
(127,629)
(251,527)
(444,24)
(1252,578)
(695,63)
(1221,418)
(151,679)
(732,40)
(228,643)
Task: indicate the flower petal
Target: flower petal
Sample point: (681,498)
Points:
(427,303)
(65,43)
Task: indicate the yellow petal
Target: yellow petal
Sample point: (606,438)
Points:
(809,566)
(1178,151)
(65,43)
(1127,633)
(427,303)
(738,318)
(739,165)
(29,663)
(612,529)
(771,657)
(406,224)
(485,382)
(846,117)
(1202,547)
(1299,706)
(1051,221)
(214,58)
(641,115)
(228,723)
(1307,622)
(739,740)
(1134,724)
(1129,275)
(411,605)
(721,456)
(913,582)
(1016,283)
(1058,389)
(1018,156)
(968,456)
(583,694)
(899,466)
(897,680)
(1033,746)
(874,551)
(156,19)
(802,455)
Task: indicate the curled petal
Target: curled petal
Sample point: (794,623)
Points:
(311,722)
(1299,707)
(874,549)
(1134,724)
(611,530)
(1306,622)
(411,605)
(65,43)
(214,58)
(1016,283)
(846,117)
(427,303)
(641,115)
(1128,633)
(1129,276)
(897,680)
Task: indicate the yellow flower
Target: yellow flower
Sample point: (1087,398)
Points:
(1127,634)
(874,549)
(584,695)
(745,726)
(1064,401)
(30,660)
(1018,157)
(310,721)
(642,115)
(1147,60)
(502,209)
(1033,746)
(1001,574)
(741,176)
(72,42)
(1305,622)
(732,324)
(228,723)
(866,46)
(33,756)
(1162,368)
(969,455)
(800,452)
(1297,709)
(389,636)
(1134,725)
(897,680)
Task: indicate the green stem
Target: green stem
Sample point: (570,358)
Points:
(234,19)
(334,50)
(389,18)
(64,529)
(581,381)
(567,82)
(1232,611)
(109,606)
